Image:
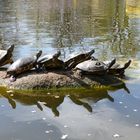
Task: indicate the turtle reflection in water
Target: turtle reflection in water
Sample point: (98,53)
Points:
(6,56)
(21,65)
(84,98)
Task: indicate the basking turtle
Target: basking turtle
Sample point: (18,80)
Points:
(5,56)
(50,62)
(72,62)
(21,65)
(117,69)
(94,67)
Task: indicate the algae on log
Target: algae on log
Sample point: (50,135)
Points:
(58,79)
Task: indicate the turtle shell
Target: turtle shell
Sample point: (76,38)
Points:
(95,66)
(44,58)
(23,64)
(54,64)
(76,59)
(51,61)
(5,56)
(92,67)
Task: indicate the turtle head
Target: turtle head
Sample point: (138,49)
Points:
(91,52)
(39,54)
(57,54)
(11,48)
(111,63)
(88,55)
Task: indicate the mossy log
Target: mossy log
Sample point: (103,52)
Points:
(58,79)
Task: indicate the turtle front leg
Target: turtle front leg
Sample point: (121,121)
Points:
(72,65)
(37,68)
(40,68)
(44,68)
(12,78)
(78,73)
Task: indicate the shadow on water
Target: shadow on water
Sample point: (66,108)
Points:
(54,98)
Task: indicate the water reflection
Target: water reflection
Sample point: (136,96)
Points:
(112,28)
(72,25)
(84,98)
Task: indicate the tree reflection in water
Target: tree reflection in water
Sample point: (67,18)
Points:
(69,26)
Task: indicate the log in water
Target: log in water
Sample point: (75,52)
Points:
(58,79)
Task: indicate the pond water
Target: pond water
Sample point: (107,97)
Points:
(112,28)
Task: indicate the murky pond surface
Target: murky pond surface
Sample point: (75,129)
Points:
(112,28)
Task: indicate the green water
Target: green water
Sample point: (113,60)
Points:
(112,28)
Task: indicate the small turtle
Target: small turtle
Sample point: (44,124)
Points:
(50,62)
(119,70)
(94,67)
(72,62)
(5,56)
(21,65)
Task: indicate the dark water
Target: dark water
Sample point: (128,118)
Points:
(112,28)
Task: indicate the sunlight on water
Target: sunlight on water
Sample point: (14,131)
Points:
(112,28)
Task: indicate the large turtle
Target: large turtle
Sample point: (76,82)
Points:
(94,67)
(72,62)
(21,65)
(118,69)
(6,56)
(50,62)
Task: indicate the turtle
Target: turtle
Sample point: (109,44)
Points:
(72,62)
(118,69)
(21,65)
(6,56)
(93,67)
(48,62)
